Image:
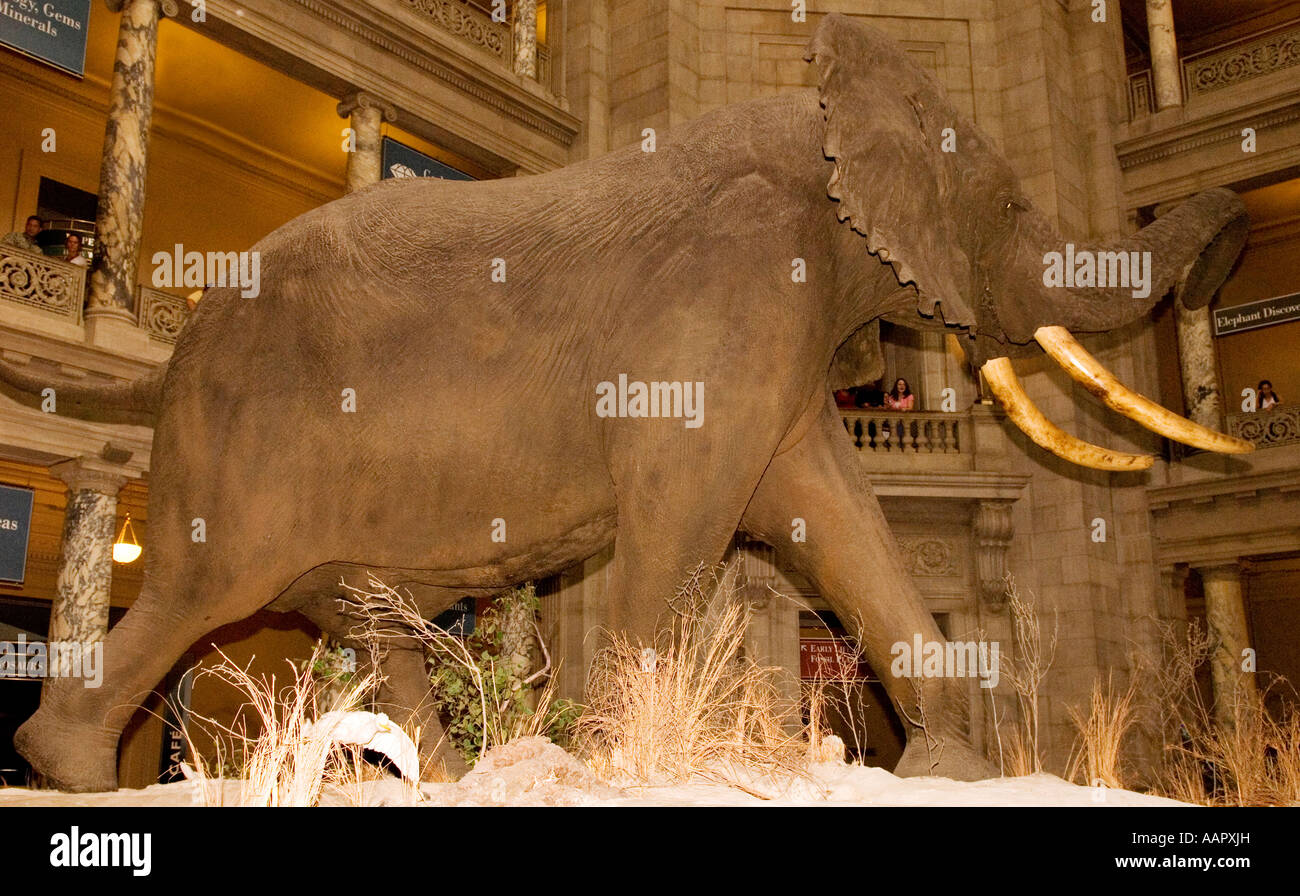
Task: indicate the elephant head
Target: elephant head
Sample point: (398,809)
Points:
(935,200)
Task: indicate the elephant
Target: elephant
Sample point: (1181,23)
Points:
(498,342)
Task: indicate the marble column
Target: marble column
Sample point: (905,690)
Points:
(1197,362)
(1165,70)
(119,217)
(526,38)
(1225,617)
(365,114)
(80,609)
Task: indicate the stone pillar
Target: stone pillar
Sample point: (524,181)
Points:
(526,38)
(80,609)
(1197,362)
(366,114)
(772,638)
(1166,72)
(119,217)
(1225,617)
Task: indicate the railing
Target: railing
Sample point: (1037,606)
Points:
(1252,57)
(1268,429)
(38,281)
(906,432)
(1223,66)
(58,288)
(473,22)
(161,314)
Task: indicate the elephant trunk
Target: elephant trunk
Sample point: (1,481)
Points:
(1190,249)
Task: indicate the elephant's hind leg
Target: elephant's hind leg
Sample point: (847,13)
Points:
(72,738)
(851,556)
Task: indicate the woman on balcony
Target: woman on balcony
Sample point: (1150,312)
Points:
(900,398)
(1268,399)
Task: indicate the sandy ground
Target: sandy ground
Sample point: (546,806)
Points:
(534,772)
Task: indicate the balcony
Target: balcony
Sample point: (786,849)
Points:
(58,289)
(1268,429)
(1248,83)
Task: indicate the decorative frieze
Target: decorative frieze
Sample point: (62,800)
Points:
(467,22)
(1241,61)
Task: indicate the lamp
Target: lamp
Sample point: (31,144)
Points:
(125,551)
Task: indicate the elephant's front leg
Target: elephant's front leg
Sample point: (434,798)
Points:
(852,558)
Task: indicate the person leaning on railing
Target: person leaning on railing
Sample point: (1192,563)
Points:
(26,238)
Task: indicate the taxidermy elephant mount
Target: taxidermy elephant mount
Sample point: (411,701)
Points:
(482,327)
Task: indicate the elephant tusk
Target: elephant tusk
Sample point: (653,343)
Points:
(1002,379)
(1067,352)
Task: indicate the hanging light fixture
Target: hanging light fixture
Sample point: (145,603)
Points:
(124,550)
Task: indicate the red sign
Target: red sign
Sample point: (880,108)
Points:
(828,659)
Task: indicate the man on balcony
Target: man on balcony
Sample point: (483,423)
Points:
(26,238)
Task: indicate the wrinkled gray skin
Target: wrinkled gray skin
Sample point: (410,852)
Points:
(475,400)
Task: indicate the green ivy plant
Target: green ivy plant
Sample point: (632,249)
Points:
(501,651)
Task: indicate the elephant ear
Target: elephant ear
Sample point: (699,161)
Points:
(859,359)
(884,121)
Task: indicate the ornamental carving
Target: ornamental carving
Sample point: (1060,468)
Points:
(1268,429)
(40,282)
(467,22)
(927,556)
(162,315)
(1240,62)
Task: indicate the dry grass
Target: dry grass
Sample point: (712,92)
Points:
(1096,758)
(1243,755)
(276,760)
(1020,748)
(693,708)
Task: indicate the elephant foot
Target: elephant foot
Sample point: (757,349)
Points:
(72,757)
(946,756)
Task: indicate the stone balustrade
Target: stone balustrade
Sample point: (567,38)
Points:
(1220,67)
(881,431)
(38,281)
(59,289)
(1268,429)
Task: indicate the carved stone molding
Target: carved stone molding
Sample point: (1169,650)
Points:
(161,314)
(90,474)
(467,23)
(757,571)
(1268,429)
(363,100)
(929,556)
(993,532)
(1252,58)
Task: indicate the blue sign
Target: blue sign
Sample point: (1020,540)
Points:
(15,527)
(53,31)
(399,160)
(458,620)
